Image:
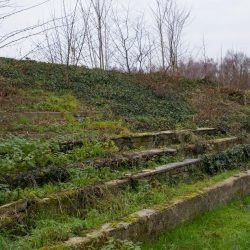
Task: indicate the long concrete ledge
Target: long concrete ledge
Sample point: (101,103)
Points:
(149,223)
(150,140)
(7,117)
(131,158)
(127,158)
(210,145)
(13,207)
(69,201)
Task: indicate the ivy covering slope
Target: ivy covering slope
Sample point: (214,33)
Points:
(143,101)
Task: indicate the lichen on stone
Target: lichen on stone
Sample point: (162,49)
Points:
(131,218)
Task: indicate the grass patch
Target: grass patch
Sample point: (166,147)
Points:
(223,228)
(67,124)
(63,103)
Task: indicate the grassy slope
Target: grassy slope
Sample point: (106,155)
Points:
(116,103)
(139,102)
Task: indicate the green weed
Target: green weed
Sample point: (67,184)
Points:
(61,104)
(247,110)
(19,154)
(25,121)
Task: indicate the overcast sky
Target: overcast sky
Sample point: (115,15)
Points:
(223,23)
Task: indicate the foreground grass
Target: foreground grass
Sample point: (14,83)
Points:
(38,230)
(223,228)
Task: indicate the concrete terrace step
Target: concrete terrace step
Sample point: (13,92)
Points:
(149,223)
(127,158)
(131,158)
(7,117)
(53,203)
(149,140)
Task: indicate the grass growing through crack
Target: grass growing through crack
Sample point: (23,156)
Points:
(223,228)
(40,230)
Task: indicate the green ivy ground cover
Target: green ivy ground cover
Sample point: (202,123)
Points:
(20,154)
(143,102)
(135,102)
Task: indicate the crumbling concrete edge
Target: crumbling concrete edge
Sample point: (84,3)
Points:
(13,207)
(154,140)
(149,223)
(54,205)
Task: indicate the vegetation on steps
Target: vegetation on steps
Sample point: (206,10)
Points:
(19,154)
(115,104)
(37,230)
(39,184)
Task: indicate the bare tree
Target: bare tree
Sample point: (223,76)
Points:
(124,38)
(64,39)
(159,17)
(170,20)
(143,47)
(10,8)
(236,69)
(100,26)
(176,19)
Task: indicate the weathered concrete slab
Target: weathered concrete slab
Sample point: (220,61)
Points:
(165,169)
(224,143)
(13,208)
(72,200)
(210,145)
(128,158)
(7,117)
(149,223)
(149,140)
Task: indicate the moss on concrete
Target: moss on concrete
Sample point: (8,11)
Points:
(59,246)
(129,219)
(187,196)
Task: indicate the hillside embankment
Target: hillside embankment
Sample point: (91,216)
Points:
(111,147)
